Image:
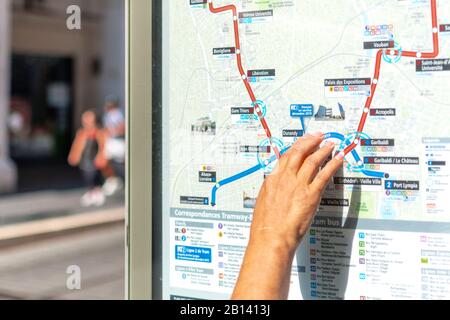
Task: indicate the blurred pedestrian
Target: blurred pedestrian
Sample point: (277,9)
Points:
(87,153)
(114,124)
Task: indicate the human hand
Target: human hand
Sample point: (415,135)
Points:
(286,205)
(73,160)
(100,162)
(291,194)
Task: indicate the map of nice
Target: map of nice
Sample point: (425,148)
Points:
(248,78)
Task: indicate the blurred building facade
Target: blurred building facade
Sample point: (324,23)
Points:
(50,75)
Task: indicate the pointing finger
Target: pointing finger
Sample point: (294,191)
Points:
(313,163)
(323,177)
(301,149)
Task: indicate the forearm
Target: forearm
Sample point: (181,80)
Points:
(76,150)
(265,272)
(285,208)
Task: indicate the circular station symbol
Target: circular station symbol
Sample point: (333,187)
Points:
(266,157)
(349,139)
(393,55)
(260,106)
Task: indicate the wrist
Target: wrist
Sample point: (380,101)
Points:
(269,242)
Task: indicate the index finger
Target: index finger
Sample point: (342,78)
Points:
(324,176)
(301,149)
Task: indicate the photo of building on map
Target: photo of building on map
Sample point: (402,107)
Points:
(326,114)
(249,200)
(204,126)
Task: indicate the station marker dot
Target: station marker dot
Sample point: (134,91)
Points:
(366,110)
(356,141)
(235,18)
(375,81)
(238,51)
(419,54)
(244,77)
(266,162)
(360,163)
(435,30)
(392,52)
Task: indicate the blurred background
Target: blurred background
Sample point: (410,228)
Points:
(54,215)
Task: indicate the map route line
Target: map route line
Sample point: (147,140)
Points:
(241,175)
(231,179)
(250,92)
(376,77)
(354,144)
(248,172)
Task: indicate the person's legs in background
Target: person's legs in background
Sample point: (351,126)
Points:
(115,182)
(94,196)
(115,152)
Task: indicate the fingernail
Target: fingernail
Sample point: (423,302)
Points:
(316,134)
(330,144)
(340,156)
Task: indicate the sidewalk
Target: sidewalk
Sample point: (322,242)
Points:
(42,233)
(34,206)
(37,269)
